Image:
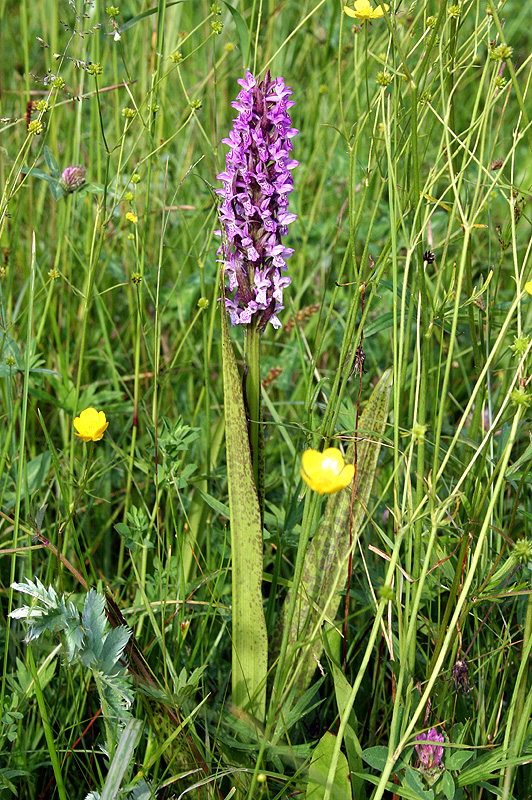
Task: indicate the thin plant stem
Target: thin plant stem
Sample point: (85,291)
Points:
(252,391)
(47,728)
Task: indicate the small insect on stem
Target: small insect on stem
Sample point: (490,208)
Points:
(358,362)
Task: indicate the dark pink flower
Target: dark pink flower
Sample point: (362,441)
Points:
(429,749)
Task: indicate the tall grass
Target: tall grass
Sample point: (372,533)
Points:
(413,241)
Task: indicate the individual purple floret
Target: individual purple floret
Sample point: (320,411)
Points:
(430,751)
(72,178)
(254,210)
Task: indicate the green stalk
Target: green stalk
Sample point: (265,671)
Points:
(362,671)
(451,632)
(24,42)
(48,733)
(20,466)
(515,84)
(96,246)
(252,387)
(513,740)
(423,355)
(106,714)
(450,603)
(311,503)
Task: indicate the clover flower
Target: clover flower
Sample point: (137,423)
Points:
(254,209)
(91,425)
(430,753)
(364,10)
(326,473)
(72,178)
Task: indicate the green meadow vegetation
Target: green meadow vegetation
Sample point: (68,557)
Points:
(184,613)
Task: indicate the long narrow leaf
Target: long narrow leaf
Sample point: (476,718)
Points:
(326,560)
(250,640)
(121,759)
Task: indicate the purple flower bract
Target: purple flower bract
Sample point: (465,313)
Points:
(254,210)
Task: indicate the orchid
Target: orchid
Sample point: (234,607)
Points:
(254,210)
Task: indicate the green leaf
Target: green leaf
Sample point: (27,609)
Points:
(382,322)
(57,190)
(121,759)
(37,470)
(376,757)
(487,765)
(35,172)
(342,690)
(392,788)
(113,647)
(215,504)
(93,188)
(458,759)
(145,14)
(51,162)
(413,780)
(52,615)
(250,637)
(94,621)
(122,529)
(5,778)
(241,29)
(319,770)
(446,785)
(293,714)
(491,789)
(22,682)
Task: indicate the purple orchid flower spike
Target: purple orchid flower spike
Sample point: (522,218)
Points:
(254,210)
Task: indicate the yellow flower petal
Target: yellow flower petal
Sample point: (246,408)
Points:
(326,473)
(91,425)
(364,10)
(528,287)
(132,217)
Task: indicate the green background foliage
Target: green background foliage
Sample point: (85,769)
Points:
(414,138)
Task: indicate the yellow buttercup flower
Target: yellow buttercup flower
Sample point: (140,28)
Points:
(364,10)
(326,473)
(132,217)
(528,287)
(91,425)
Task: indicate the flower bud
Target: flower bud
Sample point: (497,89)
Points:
(72,178)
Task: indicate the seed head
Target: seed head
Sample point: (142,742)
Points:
(522,551)
(383,78)
(35,127)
